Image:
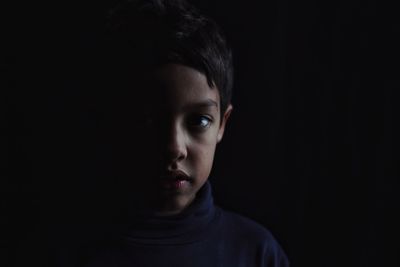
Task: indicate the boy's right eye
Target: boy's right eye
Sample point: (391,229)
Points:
(149,121)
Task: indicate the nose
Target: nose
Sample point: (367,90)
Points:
(176,149)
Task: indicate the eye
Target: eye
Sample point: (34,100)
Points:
(149,119)
(200,121)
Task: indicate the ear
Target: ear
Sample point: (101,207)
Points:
(224,119)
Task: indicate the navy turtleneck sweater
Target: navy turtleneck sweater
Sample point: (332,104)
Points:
(204,235)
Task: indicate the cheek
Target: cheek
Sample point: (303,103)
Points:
(201,158)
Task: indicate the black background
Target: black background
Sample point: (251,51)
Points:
(311,152)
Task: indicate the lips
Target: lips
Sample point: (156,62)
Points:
(175,179)
(175,175)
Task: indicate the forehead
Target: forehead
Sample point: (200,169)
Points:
(170,88)
(177,85)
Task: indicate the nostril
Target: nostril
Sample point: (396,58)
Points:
(176,153)
(175,157)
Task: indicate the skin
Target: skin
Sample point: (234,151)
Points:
(184,129)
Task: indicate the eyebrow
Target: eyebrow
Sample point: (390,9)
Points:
(203,104)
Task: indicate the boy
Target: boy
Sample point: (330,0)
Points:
(171,105)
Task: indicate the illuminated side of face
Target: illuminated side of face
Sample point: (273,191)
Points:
(186,127)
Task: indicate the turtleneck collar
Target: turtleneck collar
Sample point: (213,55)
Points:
(186,226)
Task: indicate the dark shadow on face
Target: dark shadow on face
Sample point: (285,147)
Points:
(132,138)
(169,120)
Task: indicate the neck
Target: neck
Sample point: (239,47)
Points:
(171,206)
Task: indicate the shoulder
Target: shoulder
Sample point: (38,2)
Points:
(253,236)
(244,227)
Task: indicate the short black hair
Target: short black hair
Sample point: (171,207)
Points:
(151,33)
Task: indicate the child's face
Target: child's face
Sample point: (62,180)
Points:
(183,128)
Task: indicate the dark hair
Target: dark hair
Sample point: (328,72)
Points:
(150,33)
